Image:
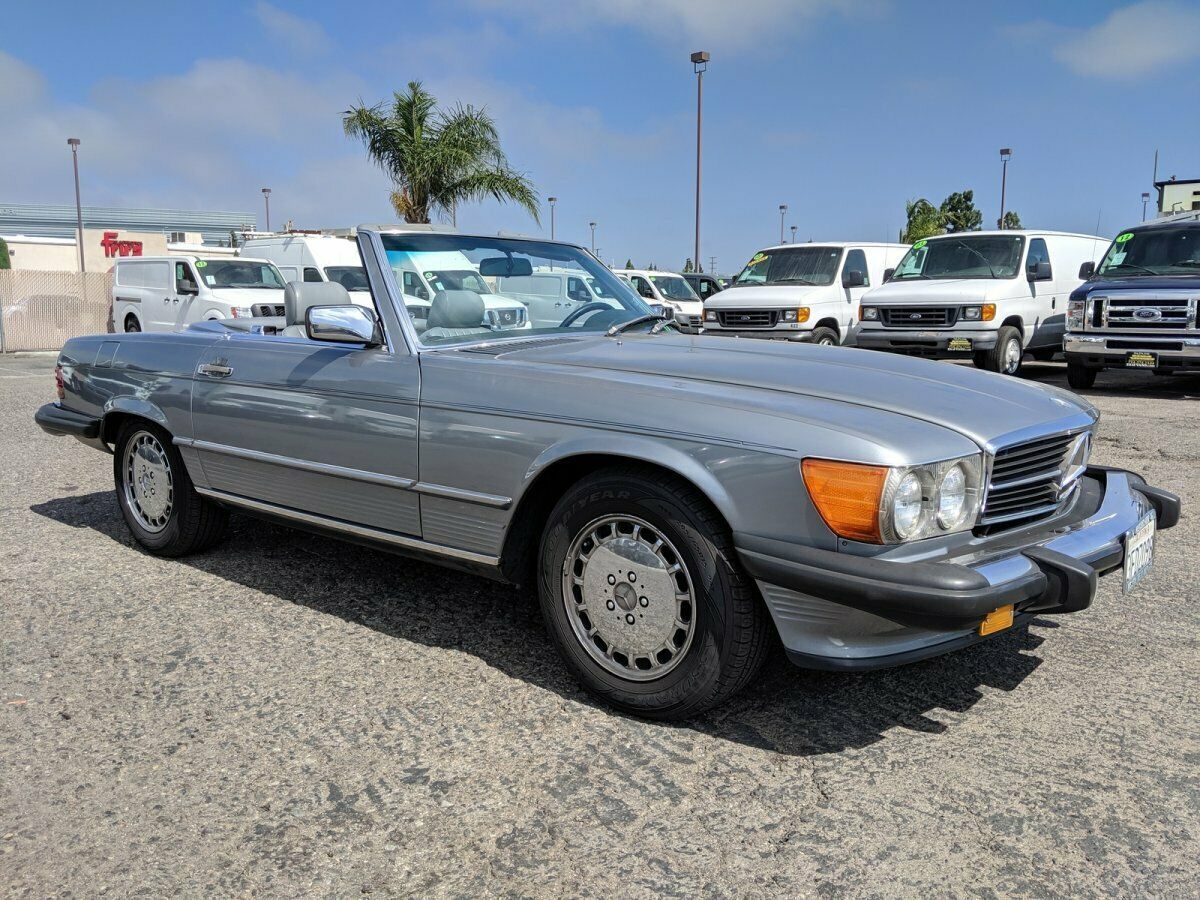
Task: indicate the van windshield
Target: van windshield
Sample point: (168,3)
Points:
(1154,251)
(352,278)
(239,273)
(791,265)
(673,287)
(962,256)
(457,280)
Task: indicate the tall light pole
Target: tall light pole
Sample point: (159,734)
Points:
(1145,200)
(782,214)
(592,225)
(73,143)
(266,192)
(712,266)
(699,66)
(793,234)
(1005,156)
(553,201)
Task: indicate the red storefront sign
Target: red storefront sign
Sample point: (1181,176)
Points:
(113,247)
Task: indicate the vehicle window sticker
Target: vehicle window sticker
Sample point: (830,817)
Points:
(919,244)
(1122,238)
(210,280)
(200,264)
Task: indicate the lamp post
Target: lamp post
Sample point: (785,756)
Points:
(592,225)
(1005,156)
(553,201)
(712,266)
(266,192)
(782,215)
(793,234)
(699,66)
(73,143)
(1145,199)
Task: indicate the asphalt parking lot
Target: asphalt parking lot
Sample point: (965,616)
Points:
(292,715)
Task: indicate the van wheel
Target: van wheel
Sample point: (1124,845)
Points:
(132,325)
(642,593)
(1080,376)
(824,337)
(1005,357)
(156,496)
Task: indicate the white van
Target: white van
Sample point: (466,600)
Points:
(168,293)
(423,275)
(991,296)
(552,295)
(801,292)
(314,257)
(671,291)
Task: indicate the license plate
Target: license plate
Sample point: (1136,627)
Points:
(1139,550)
(1139,359)
(959,344)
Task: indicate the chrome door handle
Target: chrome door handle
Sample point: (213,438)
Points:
(214,371)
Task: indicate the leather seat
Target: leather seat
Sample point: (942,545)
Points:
(300,296)
(455,314)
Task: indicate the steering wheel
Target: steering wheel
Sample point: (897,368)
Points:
(587,308)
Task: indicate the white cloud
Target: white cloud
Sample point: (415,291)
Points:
(296,34)
(1135,40)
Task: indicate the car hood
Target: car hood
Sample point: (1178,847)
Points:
(991,410)
(766,296)
(928,290)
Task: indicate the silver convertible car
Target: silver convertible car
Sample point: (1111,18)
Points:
(681,503)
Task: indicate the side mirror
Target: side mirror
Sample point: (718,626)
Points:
(342,325)
(1087,270)
(646,292)
(888,273)
(187,287)
(853,278)
(1039,271)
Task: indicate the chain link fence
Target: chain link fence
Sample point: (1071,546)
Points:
(41,310)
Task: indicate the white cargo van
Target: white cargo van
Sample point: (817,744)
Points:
(422,275)
(168,293)
(801,292)
(552,295)
(669,290)
(314,257)
(990,296)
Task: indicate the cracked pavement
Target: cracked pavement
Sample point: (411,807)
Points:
(292,715)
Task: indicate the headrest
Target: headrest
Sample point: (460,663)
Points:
(298,296)
(456,309)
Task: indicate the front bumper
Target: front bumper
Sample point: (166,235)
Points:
(842,611)
(1111,350)
(933,344)
(762,334)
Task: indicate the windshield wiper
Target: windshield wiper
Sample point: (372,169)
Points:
(987,262)
(791,280)
(1125,265)
(616,329)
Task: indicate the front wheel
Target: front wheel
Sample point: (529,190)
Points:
(824,337)
(1005,357)
(1079,376)
(642,594)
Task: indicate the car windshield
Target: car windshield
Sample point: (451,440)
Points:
(480,305)
(674,287)
(352,278)
(239,273)
(962,256)
(791,265)
(1154,251)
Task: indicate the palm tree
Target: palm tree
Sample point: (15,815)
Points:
(437,159)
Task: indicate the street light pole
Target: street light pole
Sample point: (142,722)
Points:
(712,266)
(73,143)
(553,200)
(699,66)
(782,214)
(793,234)
(592,225)
(1145,199)
(1005,156)
(266,192)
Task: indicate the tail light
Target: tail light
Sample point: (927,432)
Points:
(59,387)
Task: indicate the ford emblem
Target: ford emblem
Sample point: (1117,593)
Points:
(914,315)
(1147,313)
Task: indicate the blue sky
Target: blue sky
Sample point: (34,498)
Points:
(843,109)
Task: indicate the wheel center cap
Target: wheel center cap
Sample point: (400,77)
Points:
(625,595)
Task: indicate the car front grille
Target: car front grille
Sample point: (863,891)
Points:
(266,310)
(1131,313)
(748,318)
(918,316)
(502,319)
(1027,479)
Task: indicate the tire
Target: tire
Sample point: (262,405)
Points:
(1005,357)
(156,496)
(690,641)
(1079,376)
(824,337)
(132,325)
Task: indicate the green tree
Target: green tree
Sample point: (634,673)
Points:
(1011,221)
(923,220)
(438,159)
(629,263)
(687,265)
(5,261)
(959,213)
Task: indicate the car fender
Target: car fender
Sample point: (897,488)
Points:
(133,406)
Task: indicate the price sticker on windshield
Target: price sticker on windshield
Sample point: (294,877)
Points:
(1122,238)
(200,264)
(919,244)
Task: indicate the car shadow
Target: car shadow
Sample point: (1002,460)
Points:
(787,710)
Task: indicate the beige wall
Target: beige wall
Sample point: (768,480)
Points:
(99,253)
(32,255)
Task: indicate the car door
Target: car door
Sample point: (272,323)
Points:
(326,429)
(856,260)
(1047,313)
(184,277)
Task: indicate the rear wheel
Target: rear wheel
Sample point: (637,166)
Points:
(132,325)
(644,598)
(825,337)
(1005,357)
(1080,376)
(157,499)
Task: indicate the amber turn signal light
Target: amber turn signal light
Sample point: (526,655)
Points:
(847,496)
(802,314)
(989,312)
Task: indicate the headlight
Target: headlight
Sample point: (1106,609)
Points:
(894,504)
(241,312)
(972,313)
(789,315)
(1076,313)
(868,313)
(710,315)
